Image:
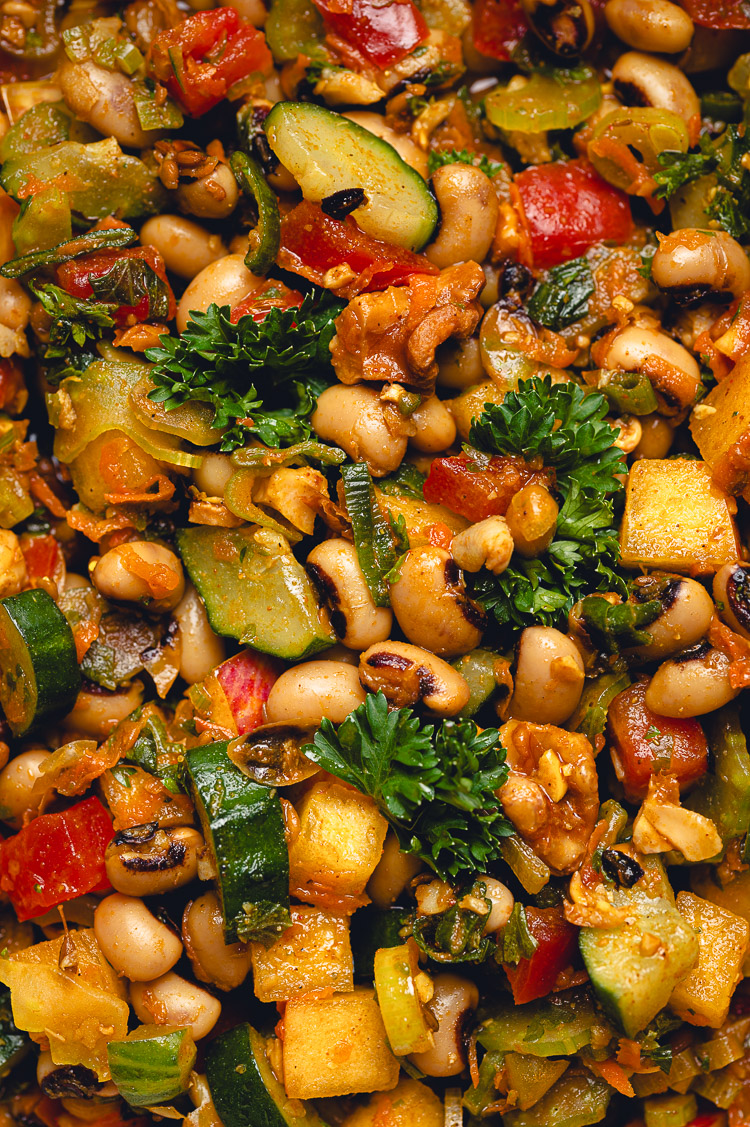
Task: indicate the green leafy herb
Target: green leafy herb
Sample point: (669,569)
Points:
(128,282)
(456,935)
(406,481)
(515,941)
(614,626)
(563,297)
(650,1040)
(439,158)
(567,429)
(216,360)
(437,788)
(75,326)
(725,158)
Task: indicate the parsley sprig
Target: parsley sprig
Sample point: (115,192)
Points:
(567,429)
(261,377)
(436,787)
(440,157)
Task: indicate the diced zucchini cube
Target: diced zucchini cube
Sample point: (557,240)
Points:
(340,841)
(721,428)
(703,997)
(336,1046)
(314,953)
(410,1104)
(676,518)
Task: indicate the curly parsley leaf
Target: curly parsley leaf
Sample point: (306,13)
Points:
(76,325)
(439,158)
(251,372)
(566,429)
(437,788)
(563,297)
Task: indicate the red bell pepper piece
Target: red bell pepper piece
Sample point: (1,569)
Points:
(55,858)
(568,207)
(556,947)
(474,492)
(75,277)
(205,55)
(312,243)
(642,742)
(499,26)
(382,32)
(247,679)
(722,15)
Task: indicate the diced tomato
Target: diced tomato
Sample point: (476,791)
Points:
(247,679)
(642,742)
(722,15)
(205,55)
(12,386)
(270,295)
(55,858)
(75,277)
(476,493)
(43,556)
(312,243)
(499,26)
(568,207)
(383,32)
(439,535)
(556,947)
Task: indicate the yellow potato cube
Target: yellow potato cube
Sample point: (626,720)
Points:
(312,954)
(340,841)
(676,518)
(720,425)
(734,896)
(78,1010)
(703,997)
(410,1104)
(336,1046)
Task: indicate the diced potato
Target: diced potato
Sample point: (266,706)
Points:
(340,840)
(734,896)
(336,1046)
(79,1010)
(312,954)
(410,1104)
(703,997)
(720,425)
(676,518)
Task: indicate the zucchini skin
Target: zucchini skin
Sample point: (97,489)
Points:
(243,825)
(37,647)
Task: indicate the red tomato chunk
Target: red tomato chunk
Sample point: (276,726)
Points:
(382,33)
(719,14)
(556,948)
(474,492)
(499,26)
(55,858)
(643,742)
(568,207)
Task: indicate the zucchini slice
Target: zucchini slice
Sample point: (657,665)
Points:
(327,153)
(243,1087)
(39,674)
(152,1064)
(243,826)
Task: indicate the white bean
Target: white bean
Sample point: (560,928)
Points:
(171,1000)
(134,941)
(308,692)
(186,247)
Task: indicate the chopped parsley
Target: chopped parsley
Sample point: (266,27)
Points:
(439,158)
(563,297)
(251,372)
(726,158)
(515,941)
(566,429)
(437,787)
(76,325)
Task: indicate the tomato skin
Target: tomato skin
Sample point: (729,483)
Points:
(247,679)
(259,303)
(180,57)
(568,207)
(55,858)
(723,15)
(312,243)
(499,27)
(477,493)
(383,33)
(557,945)
(74,277)
(639,736)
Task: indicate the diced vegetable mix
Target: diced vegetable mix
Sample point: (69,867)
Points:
(374,581)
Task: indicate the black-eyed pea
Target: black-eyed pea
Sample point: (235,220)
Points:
(133,940)
(142,572)
(407,674)
(314,689)
(549,677)
(224,965)
(335,569)
(172,1000)
(148,861)
(431,605)
(692,684)
(453,1001)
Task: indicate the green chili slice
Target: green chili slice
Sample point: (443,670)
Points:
(266,237)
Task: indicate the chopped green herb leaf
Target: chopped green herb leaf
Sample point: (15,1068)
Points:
(439,158)
(515,941)
(563,297)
